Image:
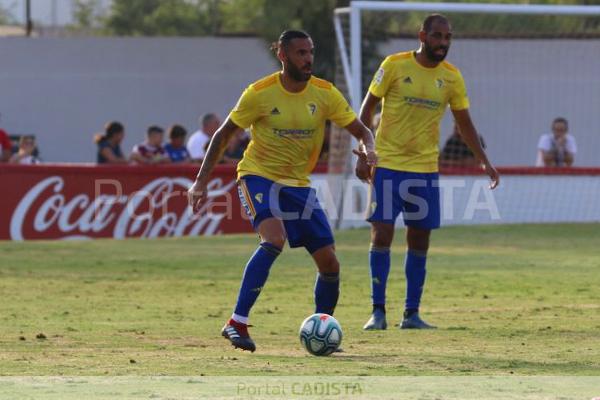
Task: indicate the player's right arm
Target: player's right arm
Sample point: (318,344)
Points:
(377,90)
(363,169)
(198,193)
(367,108)
(245,113)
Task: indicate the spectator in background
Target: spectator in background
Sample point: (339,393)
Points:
(198,142)
(176,149)
(109,144)
(557,149)
(236,147)
(151,151)
(456,153)
(5,147)
(26,152)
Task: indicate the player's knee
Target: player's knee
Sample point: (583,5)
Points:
(418,240)
(334,265)
(278,241)
(382,237)
(275,239)
(331,265)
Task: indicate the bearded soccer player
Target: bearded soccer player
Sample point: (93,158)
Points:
(416,87)
(286,113)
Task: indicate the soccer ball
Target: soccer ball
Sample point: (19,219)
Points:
(320,334)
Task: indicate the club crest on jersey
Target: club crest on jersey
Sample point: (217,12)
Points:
(379,76)
(259,197)
(439,83)
(407,80)
(312,108)
(275,111)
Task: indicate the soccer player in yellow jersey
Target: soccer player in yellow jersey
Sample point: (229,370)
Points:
(416,87)
(286,113)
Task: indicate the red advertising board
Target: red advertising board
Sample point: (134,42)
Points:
(62,201)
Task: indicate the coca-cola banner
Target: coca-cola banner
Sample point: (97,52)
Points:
(89,201)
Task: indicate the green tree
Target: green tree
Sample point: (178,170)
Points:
(159,18)
(86,14)
(6,18)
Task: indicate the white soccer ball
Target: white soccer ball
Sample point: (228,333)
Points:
(320,334)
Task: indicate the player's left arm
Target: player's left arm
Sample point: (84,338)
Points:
(471,138)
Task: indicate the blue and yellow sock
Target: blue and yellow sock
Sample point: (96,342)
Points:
(414,268)
(327,291)
(255,276)
(379,262)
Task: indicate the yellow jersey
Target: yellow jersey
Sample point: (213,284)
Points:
(287,129)
(414,101)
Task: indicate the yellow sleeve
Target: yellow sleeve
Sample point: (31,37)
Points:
(340,111)
(458,96)
(247,109)
(382,79)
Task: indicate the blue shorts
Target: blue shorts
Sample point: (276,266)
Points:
(415,195)
(304,220)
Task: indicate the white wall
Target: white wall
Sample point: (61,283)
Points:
(517,87)
(467,200)
(64,90)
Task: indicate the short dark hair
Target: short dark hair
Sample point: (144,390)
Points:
(560,119)
(430,19)
(287,36)
(155,129)
(206,118)
(177,131)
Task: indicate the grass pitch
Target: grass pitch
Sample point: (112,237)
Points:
(520,299)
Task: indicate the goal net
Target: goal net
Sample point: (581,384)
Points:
(524,66)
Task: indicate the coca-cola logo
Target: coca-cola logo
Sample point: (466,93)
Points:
(159,208)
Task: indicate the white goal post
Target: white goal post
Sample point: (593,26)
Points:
(352,62)
(524,65)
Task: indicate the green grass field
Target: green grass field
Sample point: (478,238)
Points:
(522,299)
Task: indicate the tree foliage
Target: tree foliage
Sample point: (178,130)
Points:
(268,18)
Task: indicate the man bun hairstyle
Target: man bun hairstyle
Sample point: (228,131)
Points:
(286,37)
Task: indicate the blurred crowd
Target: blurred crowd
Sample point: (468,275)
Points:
(555,149)
(178,148)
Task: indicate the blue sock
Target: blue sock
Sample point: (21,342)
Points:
(379,261)
(255,276)
(327,291)
(414,268)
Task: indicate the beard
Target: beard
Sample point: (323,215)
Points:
(296,73)
(430,52)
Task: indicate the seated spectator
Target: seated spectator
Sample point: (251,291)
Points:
(109,144)
(151,151)
(176,149)
(236,147)
(557,149)
(198,142)
(26,152)
(5,147)
(456,153)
